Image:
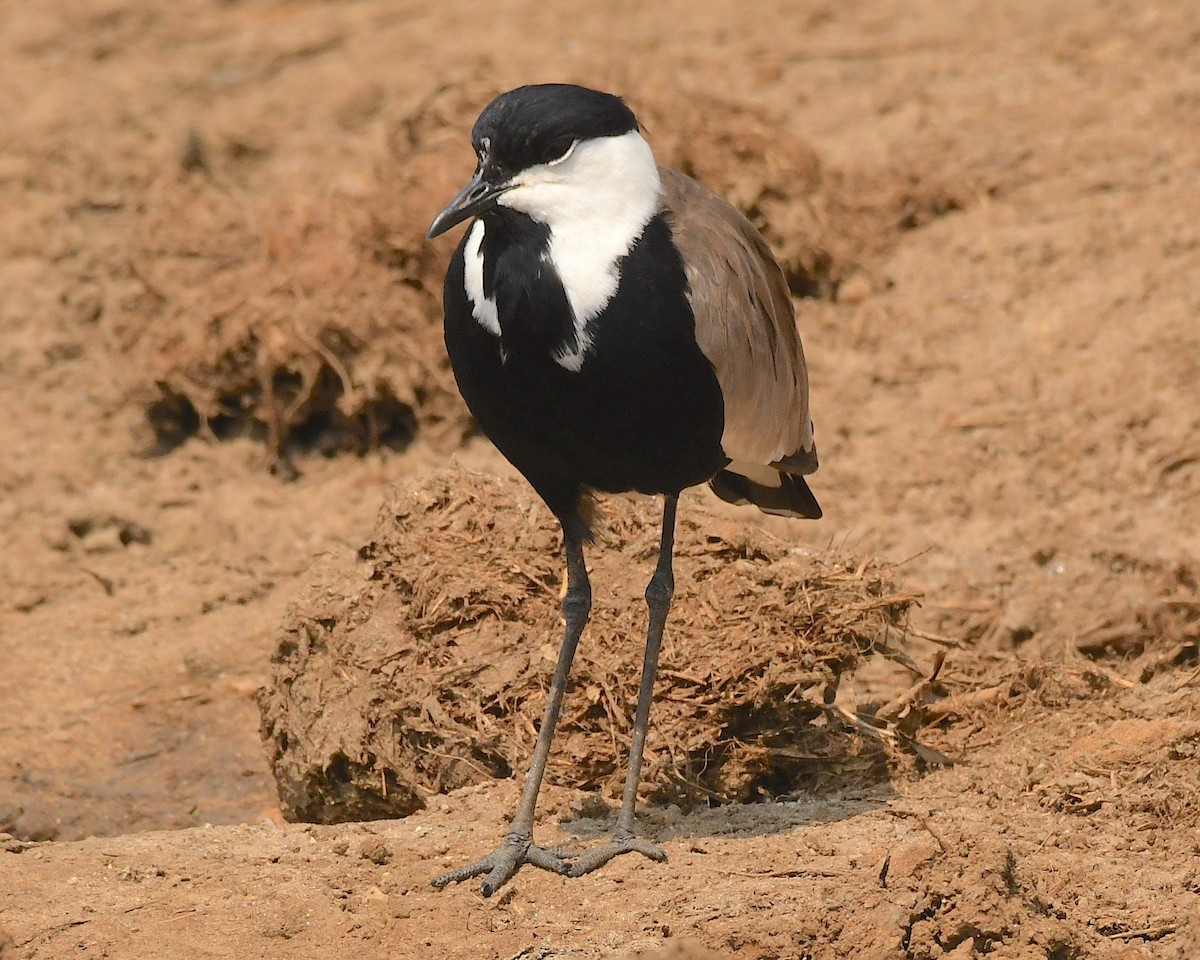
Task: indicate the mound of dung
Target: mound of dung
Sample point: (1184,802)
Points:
(424,667)
(275,315)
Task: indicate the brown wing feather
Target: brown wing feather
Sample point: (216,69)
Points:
(746,327)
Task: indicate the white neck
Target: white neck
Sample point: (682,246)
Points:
(596,203)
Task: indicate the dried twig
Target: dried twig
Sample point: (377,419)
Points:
(1146,933)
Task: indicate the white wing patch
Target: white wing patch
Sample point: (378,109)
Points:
(482,308)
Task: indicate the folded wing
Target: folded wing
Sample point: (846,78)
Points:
(746,327)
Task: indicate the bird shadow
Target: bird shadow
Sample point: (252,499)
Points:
(735,820)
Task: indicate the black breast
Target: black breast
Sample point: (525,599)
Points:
(644,411)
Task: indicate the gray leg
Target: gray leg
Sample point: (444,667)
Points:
(518,846)
(658,599)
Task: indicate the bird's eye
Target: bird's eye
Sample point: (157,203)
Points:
(570,149)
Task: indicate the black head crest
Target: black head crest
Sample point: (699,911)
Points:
(538,123)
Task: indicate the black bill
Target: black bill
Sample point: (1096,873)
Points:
(476,197)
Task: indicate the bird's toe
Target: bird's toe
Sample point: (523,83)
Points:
(598,856)
(502,864)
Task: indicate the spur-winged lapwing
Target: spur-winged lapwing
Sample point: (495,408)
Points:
(614,326)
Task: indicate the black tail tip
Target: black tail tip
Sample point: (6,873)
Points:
(791,498)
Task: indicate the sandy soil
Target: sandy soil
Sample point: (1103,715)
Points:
(220,351)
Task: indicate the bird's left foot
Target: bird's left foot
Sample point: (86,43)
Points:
(503,862)
(599,856)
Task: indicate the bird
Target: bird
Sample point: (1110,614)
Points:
(614,326)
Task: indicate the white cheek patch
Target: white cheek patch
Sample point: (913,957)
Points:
(596,200)
(482,308)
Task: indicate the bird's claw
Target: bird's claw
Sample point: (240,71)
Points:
(502,863)
(599,856)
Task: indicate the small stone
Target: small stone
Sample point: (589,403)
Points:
(376,851)
(907,857)
(593,807)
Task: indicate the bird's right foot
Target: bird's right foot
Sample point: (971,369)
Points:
(503,862)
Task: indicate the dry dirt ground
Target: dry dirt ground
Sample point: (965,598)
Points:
(219,350)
